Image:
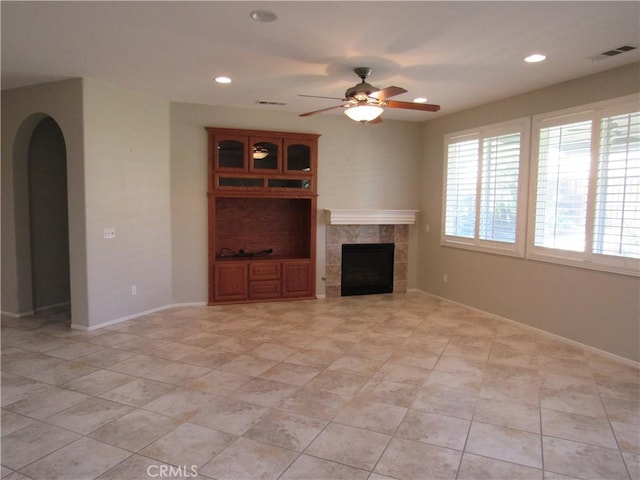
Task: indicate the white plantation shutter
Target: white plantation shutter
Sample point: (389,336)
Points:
(460,201)
(481,202)
(585,204)
(499,188)
(564,163)
(617,214)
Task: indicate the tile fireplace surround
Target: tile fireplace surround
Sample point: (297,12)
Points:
(367,226)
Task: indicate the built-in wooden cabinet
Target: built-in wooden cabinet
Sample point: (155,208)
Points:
(262,215)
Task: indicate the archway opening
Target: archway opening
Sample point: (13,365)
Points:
(48,217)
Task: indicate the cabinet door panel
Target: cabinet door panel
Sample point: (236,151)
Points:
(264,289)
(299,156)
(238,181)
(289,183)
(230,282)
(265,155)
(230,153)
(296,279)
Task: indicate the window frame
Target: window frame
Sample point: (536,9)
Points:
(518,247)
(586,259)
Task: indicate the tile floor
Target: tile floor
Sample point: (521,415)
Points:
(403,386)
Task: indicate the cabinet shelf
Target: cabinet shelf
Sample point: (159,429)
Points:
(269,258)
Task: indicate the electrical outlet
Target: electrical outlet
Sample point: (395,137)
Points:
(427,228)
(109,233)
(134,290)
(445,278)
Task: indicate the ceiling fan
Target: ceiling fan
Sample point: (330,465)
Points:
(365,103)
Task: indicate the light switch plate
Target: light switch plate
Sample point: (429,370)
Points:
(110,233)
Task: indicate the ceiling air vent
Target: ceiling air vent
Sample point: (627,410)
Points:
(267,102)
(613,52)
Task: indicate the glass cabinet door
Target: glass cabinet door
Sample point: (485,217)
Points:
(230,153)
(289,183)
(298,156)
(265,154)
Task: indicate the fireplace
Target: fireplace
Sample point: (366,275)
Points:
(367,226)
(367,268)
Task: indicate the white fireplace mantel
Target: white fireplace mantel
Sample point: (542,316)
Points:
(370,217)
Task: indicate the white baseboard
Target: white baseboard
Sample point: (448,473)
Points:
(189,304)
(118,320)
(52,307)
(17,315)
(604,353)
(135,315)
(29,313)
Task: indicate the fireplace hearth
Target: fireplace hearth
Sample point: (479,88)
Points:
(367,268)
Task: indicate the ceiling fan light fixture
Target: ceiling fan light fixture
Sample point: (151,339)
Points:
(365,103)
(363,113)
(260,152)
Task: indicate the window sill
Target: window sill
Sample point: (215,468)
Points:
(586,264)
(496,249)
(555,258)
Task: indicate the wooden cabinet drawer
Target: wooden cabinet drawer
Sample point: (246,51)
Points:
(264,270)
(264,289)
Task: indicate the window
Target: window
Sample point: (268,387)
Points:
(484,188)
(585,203)
(564,163)
(462,186)
(616,228)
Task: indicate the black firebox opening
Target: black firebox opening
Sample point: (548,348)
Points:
(367,268)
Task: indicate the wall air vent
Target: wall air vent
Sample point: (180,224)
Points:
(267,102)
(613,52)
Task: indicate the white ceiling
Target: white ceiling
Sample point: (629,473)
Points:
(458,54)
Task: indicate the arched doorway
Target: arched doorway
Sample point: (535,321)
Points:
(48,216)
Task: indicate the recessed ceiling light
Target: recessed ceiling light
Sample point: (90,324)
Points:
(536,57)
(263,16)
(223,80)
(420,100)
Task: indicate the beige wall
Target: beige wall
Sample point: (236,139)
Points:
(594,308)
(128,188)
(369,167)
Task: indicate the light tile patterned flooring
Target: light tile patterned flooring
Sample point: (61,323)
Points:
(402,386)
